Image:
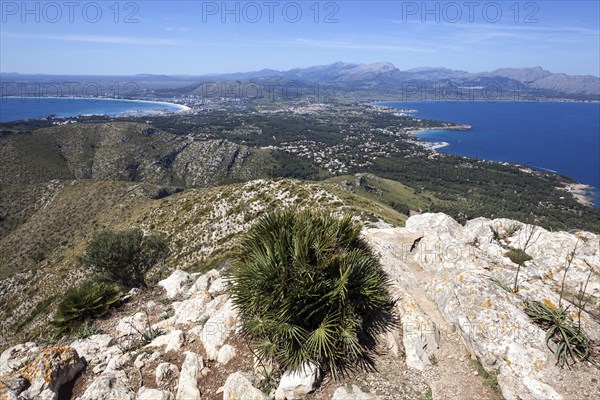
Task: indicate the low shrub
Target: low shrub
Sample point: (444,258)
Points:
(571,342)
(309,289)
(85,302)
(125,256)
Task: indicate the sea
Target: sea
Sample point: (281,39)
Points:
(560,137)
(21,108)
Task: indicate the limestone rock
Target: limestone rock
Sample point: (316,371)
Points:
(173,341)
(191,310)
(96,349)
(17,356)
(188,378)
(45,374)
(109,386)
(226,354)
(167,375)
(175,284)
(343,393)
(420,336)
(153,394)
(217,329)
(297,384)
(239,386)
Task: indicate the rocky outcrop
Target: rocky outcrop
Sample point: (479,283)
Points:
(42,377)
(109,386)
(450,285)
(187,388)
(176,283)
(297,384)
(239,386)
(452,277)
(353,393)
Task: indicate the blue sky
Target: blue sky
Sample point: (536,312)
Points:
(195,37)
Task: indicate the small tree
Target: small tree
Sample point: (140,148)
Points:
(309,289)
(125,256)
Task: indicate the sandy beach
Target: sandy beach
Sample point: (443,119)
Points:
(580,192)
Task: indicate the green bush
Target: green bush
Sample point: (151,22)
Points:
(309,289)
(82,303)
(571,342)
(125,256)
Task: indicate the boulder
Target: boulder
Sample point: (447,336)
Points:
(153,394)
(172,341)
(354,393)
(239,386)
(297,384)
(191,310)
(217,329)
(226,354)
(17,356)
(167,375)
(96,349)
(109,386)
(43,377)
(187,388)
(175,284)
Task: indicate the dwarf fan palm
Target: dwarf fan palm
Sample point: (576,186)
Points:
(309,289)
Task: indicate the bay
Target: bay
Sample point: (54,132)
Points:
(20,108)
(554,136)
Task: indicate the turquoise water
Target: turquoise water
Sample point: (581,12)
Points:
(19,108)
(559,137)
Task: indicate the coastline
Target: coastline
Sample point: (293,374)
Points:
(581,192)
(180,107)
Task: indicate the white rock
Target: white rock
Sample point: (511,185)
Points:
(239,386)
(226,354)
(217,329)
(96,349)
(342,393)
(175,284)
(117,363)
(172,341)
(132,325)
(153,394)
(297,384)
(188,377)
(109,386)
(420,335)
(191,310)
(218,286)
(166,375)
(14,357)
(48,372)
(203,282)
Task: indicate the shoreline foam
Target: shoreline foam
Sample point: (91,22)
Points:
(180,107)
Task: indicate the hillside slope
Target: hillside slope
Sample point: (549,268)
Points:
(39,259)
(124,151)
(462,334)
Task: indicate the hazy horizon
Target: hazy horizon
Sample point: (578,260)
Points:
(208,38)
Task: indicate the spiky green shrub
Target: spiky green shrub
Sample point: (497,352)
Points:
(309,289)
(570,341)
(83,303)
(125,256)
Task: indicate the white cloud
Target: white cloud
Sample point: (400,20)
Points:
(127,40)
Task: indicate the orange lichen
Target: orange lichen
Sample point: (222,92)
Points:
(486,304)
(550,304)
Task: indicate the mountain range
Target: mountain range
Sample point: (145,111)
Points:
(379,77)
